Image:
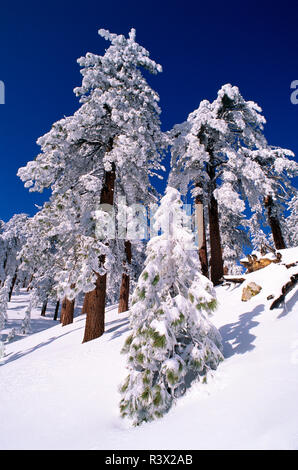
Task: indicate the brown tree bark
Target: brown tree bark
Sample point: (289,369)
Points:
(202,243)
(44,308)
(124,289)
(216,262)
(274,224)
(95,318)
(67,311)
(56,310)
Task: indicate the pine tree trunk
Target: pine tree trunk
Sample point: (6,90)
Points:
(86,303)
(12,286)
(44,308)
(95,319)
(274,224)
(67,311)
(124,289)
(216,262)
(202,243)
(56,310)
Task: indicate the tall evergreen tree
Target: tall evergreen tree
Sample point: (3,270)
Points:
(172,341)
(108,148)
(290,225)
(222,151)
(278,167)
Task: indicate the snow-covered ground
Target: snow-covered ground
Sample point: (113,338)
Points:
(56,393)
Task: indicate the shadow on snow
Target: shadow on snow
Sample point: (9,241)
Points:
(120,326)
(236,337)
(13,357)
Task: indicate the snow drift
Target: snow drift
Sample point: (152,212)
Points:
(56,393)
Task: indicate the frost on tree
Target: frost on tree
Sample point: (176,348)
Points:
(290,226)
(108,149)
(12,237)
(221,150)
(4,299)
(234,236)
(18,236)
(172,341)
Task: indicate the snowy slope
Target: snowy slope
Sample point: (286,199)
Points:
(56,393)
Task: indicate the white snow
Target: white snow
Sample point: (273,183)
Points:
(56,393)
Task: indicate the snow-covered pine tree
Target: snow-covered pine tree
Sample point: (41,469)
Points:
(14,271)
(4,299)
(109,147)
(133,105)
(279,169)
(235,238)
(290,226)
(26,323)
(199,147)
(12,238)
(39,255)
(172,341)
(227,158)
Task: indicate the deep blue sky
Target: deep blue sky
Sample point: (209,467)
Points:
(200,44)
